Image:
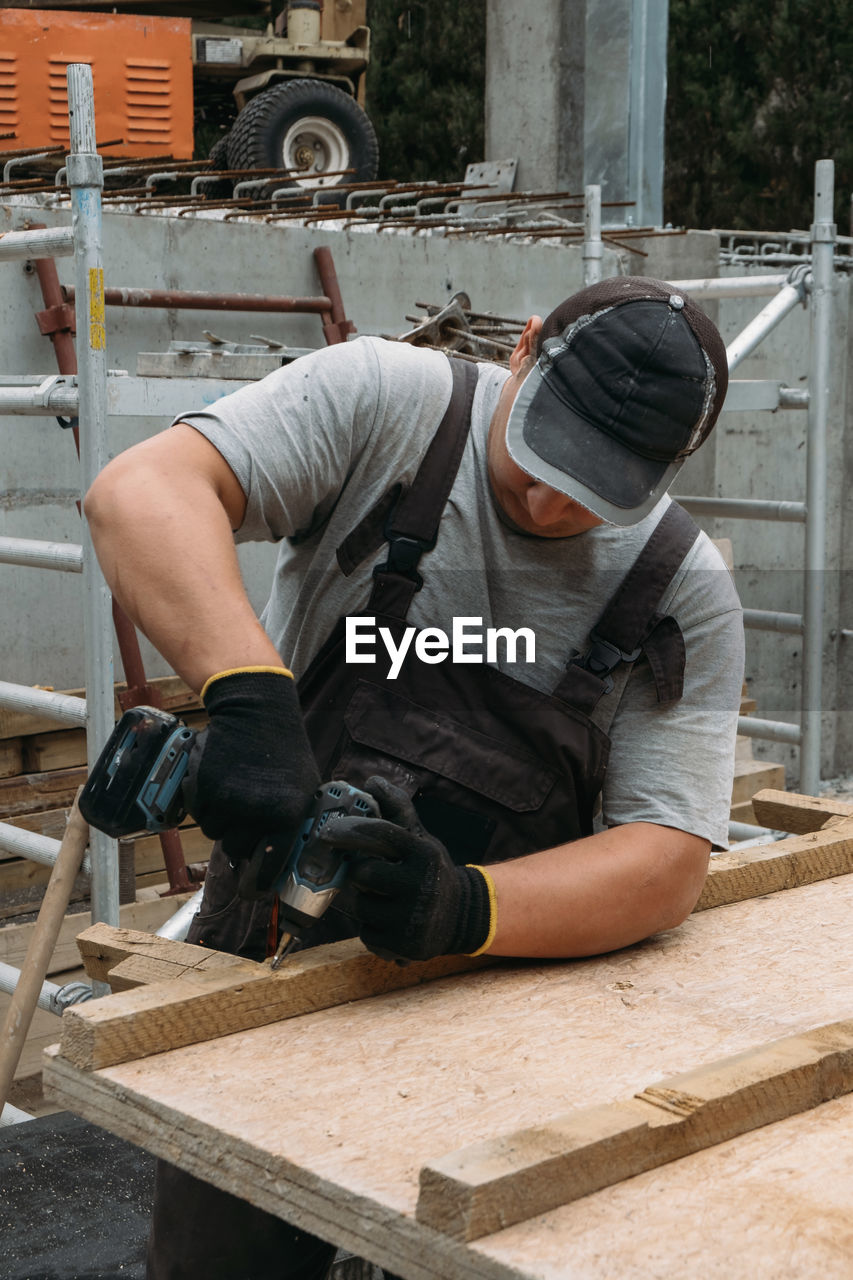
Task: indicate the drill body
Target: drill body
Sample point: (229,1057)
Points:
(137,784)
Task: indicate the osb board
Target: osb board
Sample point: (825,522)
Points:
(368,1093)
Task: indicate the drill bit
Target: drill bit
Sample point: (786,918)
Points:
(285,946)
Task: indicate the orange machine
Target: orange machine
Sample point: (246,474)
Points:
(141,68)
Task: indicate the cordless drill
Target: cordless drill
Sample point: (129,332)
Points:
(137,784)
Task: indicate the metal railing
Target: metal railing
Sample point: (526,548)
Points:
(810,284)
(82,241)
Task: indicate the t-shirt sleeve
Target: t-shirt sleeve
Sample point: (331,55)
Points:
(672,763)
(292,439)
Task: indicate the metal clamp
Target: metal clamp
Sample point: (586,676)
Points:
(71,993)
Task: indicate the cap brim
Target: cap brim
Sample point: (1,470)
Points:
(582,461)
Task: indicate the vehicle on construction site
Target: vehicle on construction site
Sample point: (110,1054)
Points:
(159,67)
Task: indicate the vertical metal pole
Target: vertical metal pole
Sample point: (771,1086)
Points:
(823,235)
(592,246)
(86,180)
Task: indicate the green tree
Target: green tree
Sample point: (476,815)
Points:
(426,86)
(757,94)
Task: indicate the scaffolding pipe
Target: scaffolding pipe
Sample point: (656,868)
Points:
(9,978)
(62,707)
(187,300)
(54,396)
(47,242)
(593,248)
(823,235)
(744,508)
(767,620)
(86,180)
(789,296)
(772,730)
(64,556)
(29,844)
(177,926)
(735,287)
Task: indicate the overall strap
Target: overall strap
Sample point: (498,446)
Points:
(409,519)
(631,623)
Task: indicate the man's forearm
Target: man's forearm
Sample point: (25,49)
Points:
(598,894)
(163,537)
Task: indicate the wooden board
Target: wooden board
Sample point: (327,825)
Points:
(756,775)
(328,1118)
(30,792)
(790,811)
(495,1184)
(216,1003)
(66,748)
(149,912)
(785,864)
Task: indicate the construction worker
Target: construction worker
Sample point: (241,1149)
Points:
(486,611)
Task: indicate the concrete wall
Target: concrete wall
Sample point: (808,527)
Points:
(381,278)
(576,91)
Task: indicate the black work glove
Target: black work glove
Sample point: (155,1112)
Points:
(403,889)
(252,772)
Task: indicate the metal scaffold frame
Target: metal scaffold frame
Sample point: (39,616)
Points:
(83,242)
(815,286)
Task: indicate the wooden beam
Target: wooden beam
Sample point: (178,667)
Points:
(213,998)
(790,811)
(148,912)
(29,792)
(492,1185)
(787,864)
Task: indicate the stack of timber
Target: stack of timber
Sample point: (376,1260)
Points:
(530,1119)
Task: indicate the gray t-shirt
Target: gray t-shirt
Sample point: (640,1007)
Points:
(316,444)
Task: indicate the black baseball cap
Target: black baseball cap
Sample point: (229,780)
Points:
(629,381)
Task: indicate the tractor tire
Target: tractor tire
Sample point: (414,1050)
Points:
(309,127)
(218,159)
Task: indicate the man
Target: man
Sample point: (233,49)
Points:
(596,653)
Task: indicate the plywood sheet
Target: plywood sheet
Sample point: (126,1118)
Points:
(327,1119)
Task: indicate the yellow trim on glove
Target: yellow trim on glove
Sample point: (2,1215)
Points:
(493,909)
(239,671)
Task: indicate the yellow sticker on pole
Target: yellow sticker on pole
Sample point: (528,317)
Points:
(97,313)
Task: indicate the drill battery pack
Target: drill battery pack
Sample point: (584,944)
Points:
(136,782)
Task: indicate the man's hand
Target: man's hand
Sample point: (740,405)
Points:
(252,772)
(404,890)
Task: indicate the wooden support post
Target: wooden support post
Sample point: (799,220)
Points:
(34,970)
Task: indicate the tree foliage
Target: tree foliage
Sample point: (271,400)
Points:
(756,94)
(426,86)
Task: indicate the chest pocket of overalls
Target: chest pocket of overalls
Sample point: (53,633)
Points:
(496,768)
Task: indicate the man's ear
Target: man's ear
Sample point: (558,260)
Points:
(526,345)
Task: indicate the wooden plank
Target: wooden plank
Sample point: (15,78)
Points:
(790,811)
(756,775)
(30,792)
(11,758)
(176,695)
(495,1184)
(413,1074)
(209,1002)
(787,864)
(149,912)
(66,748)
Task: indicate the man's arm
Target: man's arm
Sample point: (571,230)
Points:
(599,893)
(161,516)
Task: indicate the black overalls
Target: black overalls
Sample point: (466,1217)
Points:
(496,769)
